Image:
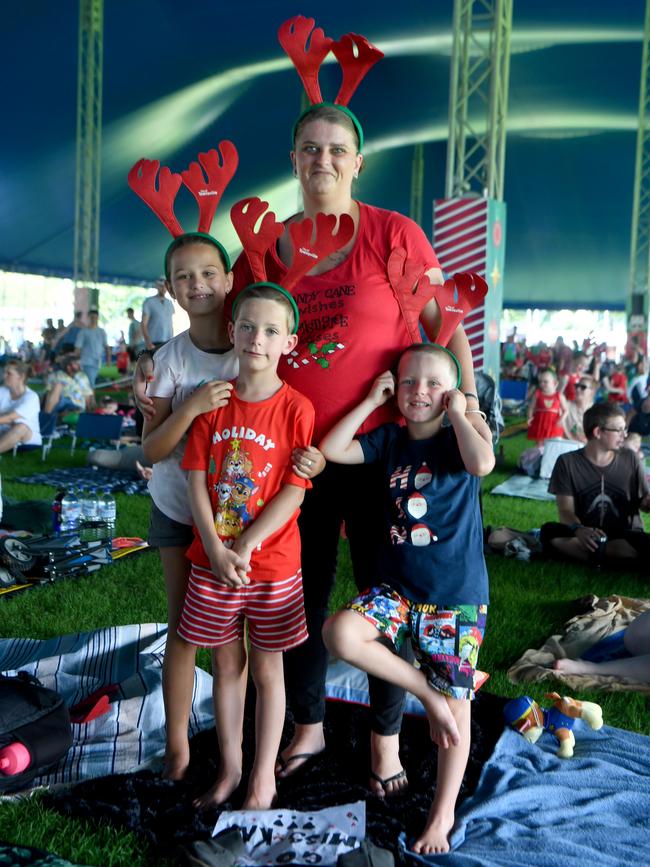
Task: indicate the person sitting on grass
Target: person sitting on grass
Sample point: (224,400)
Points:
(634,666)
(599,491)
(68,388)
(19,409)
(433,583)
(245,497)
(585,394)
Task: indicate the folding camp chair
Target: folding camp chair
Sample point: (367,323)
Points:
(93,426)
(47,425)
(513,394)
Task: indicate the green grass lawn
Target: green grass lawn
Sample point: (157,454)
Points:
(529,601)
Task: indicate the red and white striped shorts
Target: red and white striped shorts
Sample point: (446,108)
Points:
(213,614)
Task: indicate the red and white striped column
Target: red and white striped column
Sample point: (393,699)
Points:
(469,235)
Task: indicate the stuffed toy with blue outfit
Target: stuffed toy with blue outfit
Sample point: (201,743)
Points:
(530,719)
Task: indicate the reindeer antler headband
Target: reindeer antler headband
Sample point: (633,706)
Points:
(207,183)
(306,255)
(354,53)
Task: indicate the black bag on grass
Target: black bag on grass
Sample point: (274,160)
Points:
(35,718)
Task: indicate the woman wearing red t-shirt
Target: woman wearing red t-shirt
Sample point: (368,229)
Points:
(352,327)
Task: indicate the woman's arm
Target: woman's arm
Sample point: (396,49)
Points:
(474,438)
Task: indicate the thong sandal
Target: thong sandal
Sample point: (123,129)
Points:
(305,759)
(385,782)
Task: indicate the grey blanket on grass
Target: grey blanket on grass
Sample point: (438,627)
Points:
(531,808)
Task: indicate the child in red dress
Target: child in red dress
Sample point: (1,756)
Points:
(547,410)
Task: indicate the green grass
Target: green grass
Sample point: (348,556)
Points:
(529,602)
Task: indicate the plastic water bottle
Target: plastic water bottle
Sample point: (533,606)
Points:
(89,505)
(108,510)
(70,512)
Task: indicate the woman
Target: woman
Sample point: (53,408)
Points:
(352,328)
(585,394)
(19,408)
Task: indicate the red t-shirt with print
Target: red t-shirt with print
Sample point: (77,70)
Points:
(245,449)
(351,323)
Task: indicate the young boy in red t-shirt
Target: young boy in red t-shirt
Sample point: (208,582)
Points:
(245,500)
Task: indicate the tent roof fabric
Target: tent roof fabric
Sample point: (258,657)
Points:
(178,78)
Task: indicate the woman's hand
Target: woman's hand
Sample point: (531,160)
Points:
(211,395)
(142,375)
(383,388)
(308,462)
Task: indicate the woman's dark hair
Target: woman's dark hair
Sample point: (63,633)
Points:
(185,241)
(330,114)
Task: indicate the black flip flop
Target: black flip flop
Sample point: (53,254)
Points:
(400,775)
(306,759)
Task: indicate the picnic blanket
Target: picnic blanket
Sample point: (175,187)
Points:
(123,662)
(599,619)
(117,480)
(161,810)
(524,486)
(532,808)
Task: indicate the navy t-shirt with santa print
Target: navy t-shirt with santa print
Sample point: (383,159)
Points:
(434,546)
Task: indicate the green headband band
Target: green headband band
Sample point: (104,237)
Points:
(200,236)
(281,290)
(453,358)
(342,108)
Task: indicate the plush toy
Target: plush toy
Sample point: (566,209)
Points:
(529,719)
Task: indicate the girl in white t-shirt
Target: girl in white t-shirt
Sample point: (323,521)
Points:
(191,376)
(19,409)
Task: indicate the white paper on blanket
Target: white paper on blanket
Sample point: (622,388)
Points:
(290,837)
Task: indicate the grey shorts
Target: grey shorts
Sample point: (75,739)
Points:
(164,532)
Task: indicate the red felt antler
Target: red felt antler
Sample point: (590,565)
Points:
(219,174)
(356,56)
(456,297)
(305,254)
(244,216)
(411,287)
(142,180)
(293,36)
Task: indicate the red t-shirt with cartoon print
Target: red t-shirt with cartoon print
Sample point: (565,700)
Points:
(245,449)
(351,323)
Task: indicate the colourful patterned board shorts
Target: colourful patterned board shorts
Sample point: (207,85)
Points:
(446,641)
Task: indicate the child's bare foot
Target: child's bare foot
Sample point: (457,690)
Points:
(434,839)
(223,788)
(575,666)
(442,724)
(176,764)
(260,796)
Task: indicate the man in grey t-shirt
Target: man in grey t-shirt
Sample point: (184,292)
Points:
(600,491)
(157,316)
(93,348)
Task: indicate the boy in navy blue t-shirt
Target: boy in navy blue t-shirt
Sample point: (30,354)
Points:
(433,585)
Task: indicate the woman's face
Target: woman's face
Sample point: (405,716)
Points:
(325,159)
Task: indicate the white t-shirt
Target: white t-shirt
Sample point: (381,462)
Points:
(179,369)
(28,407)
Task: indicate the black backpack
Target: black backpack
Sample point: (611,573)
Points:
(490,403)
(37,718)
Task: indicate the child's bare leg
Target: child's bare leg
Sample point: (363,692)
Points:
(352,638)
(178,666)
(452,762)
(229,672)
(268,676)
